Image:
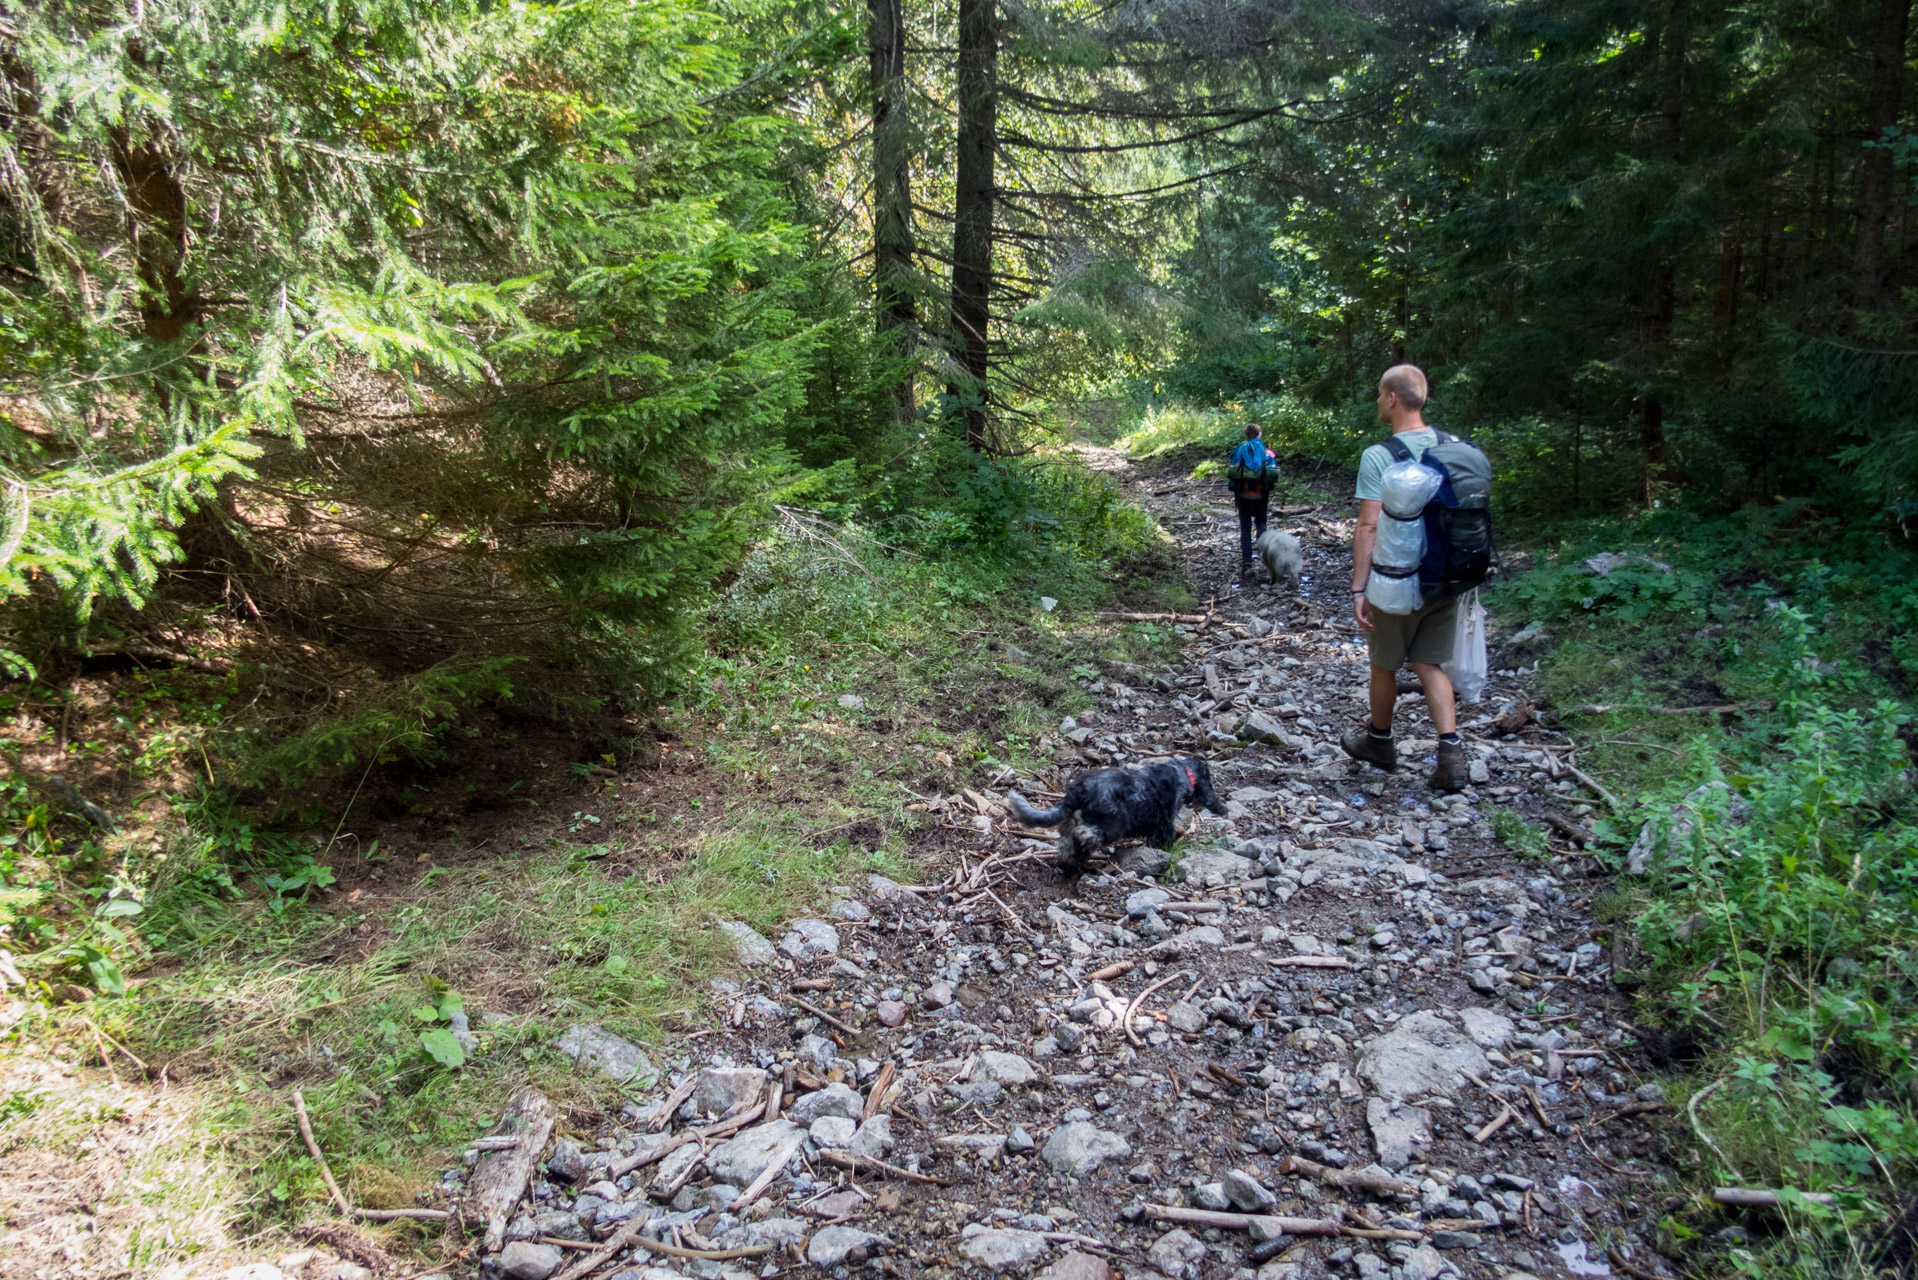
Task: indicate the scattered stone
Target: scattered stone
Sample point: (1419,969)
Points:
(1177,1253)
(717,1090)
(1019,1142)
(832,1246)
(1078,1148)
(1208,1195)
(1245,1193)
(1078,1266)
(1425,1263)
(1003,1068)
(851,909)
(891,1013)
(1002,1250)
(833,1131)
(1185,1017)
(1209,870)
(593,1048)
(1259,727)
(938,995)
(810,940)
(873,1138)
(1424,1054)
(1145,901)
(749,948)
(566,1163)
(741,1159)
(1400,1134)
(1144,861)
(1457,1240)
(1488,1030)
(834,1100)
(524,1260)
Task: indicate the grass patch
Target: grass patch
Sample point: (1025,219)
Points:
(1775,923)
(331,941)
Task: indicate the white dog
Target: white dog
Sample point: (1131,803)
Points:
(1280,553)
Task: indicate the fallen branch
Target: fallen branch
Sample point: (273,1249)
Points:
(1592,785)
(1624,1264)
(1504,1117)
(662,1114)
(771,1171)
(1287,1226)
(1350,1179)
(1754,1198)
(1116,969)
(1155,617)
(1311,962)
(1630,1109)
(339,1197)
(877,1097)
(823,1016)
(847,1160)
(1566,827)
(1139,999)
(1190,908)
(1730,708)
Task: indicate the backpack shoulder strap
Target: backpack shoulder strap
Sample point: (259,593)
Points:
(1397,448)
(1445,437)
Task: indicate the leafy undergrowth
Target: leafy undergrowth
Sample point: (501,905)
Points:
(1774,927)
(226,947)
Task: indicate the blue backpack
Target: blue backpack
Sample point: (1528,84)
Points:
(1459,552)
(1252,471)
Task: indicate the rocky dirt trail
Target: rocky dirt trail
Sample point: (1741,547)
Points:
(1348,1033)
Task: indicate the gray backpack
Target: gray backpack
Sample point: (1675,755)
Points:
(1459,553)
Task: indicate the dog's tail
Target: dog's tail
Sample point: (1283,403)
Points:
(1034,817)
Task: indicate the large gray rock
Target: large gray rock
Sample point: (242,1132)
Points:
(1422,1055)
(1188,1018)
(594,1048)
(810,940)
(749,948)
(1144,860)
(1400,1135)
(1078,1266)
(874,1138)
(833,1100)
(1177,1253)
(833,1131)
(832,1246)
(1246,1194)
(1259,727)
(524,1260)
(1077,1149)
(1002,1250)
(1213,868)
(1143,902)
(717,1090)
(1427,1263)
(1488,1030)
(1003,1068)
(742,1159)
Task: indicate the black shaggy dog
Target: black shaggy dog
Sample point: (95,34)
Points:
(1105,806)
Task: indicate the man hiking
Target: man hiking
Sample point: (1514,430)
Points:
(1421,639)
(1250,474)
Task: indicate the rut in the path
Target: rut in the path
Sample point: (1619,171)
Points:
(1349,1032)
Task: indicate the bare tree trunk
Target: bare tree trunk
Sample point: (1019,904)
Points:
(972,210)
(892,239)
(156,204)
(1889,33)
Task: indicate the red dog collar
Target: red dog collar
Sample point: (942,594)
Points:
(1192,779)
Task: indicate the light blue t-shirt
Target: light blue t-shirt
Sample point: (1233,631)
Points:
(1376,458)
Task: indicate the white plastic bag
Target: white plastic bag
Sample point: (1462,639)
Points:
(1393,595)
(1468,667)
(1406,487)
(1401,543)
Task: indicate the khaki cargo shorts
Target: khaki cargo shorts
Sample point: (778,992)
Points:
(1425,636)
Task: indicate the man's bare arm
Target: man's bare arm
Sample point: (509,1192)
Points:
(1364,537)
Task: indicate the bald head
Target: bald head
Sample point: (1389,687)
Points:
(1406,382)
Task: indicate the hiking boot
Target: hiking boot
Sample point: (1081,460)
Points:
(1452,773)
(1361,744)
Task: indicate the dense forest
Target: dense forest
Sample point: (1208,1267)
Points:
(381,382)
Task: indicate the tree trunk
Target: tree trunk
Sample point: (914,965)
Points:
(1889,33)
(972,211)
(892,240)
(158,229)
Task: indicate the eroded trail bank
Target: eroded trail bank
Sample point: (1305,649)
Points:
(1347,1030)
